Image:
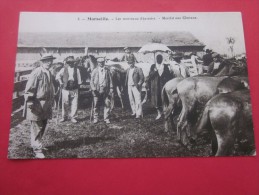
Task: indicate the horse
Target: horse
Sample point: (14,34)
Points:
(118,71)
(193,94)
(118,75)
(231,67)
(228,117)
(54,69)
(87,64)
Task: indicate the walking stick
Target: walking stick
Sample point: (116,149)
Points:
(92,108)
(59,100)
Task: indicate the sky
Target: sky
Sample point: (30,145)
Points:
(211,28)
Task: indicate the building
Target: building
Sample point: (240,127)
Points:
(107,44)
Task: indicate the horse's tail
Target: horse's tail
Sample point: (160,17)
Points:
(167,106)
(204,121)
(165,100)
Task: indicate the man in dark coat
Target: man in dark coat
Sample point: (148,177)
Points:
(39,96)
(207,60)
(159,74)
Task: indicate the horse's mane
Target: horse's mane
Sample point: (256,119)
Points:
(116,68)
(223,67)
(93,59)
(228,64)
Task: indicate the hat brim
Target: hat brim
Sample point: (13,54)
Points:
(48,58)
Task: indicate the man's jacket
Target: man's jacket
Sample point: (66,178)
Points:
(40,90)
(138,77)
(107,84)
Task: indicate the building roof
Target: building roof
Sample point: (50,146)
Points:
(106,40)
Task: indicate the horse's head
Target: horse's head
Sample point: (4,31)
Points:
(89,62)
(56,67)
(238,68)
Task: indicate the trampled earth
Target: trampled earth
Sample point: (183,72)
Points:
(125,137)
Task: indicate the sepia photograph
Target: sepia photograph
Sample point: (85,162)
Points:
(131,85)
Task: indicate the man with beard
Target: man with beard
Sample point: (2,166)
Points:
(69,79)
(39,96)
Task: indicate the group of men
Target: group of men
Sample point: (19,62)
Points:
(39,91)
(39,94)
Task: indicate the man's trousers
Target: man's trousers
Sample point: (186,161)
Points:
(37,132)
(135,100)
(105,100)
(69,96)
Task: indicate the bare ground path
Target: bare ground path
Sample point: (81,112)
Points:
(125,137)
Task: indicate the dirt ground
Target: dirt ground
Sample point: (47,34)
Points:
(125,137)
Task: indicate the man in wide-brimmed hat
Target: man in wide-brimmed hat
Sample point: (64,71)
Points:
(128,55)
(39,96)
(102,89)
(69,79)
(134,81)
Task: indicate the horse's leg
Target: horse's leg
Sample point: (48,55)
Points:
(214,143)
(224,127)
(183,126)
(119,94)
(225,142)
(169,114)
(180,121)
(167,110)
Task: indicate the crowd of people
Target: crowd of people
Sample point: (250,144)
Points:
(39,91)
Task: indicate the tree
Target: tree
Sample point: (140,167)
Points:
(231,41)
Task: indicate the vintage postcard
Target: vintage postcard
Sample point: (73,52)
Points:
(129,85)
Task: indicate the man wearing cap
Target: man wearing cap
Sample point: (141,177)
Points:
(102,89)
(39,96)
(128,55)
(69,79)
(134,81)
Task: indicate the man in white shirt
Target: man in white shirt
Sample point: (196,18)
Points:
(102,88)
(134,81)
(70,79)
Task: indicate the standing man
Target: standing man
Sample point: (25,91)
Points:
(102,89)
(128,55)
(159,74)
(196,63)
(134,81)
(39,96)
(69,79)
(215,65)
(207,60)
